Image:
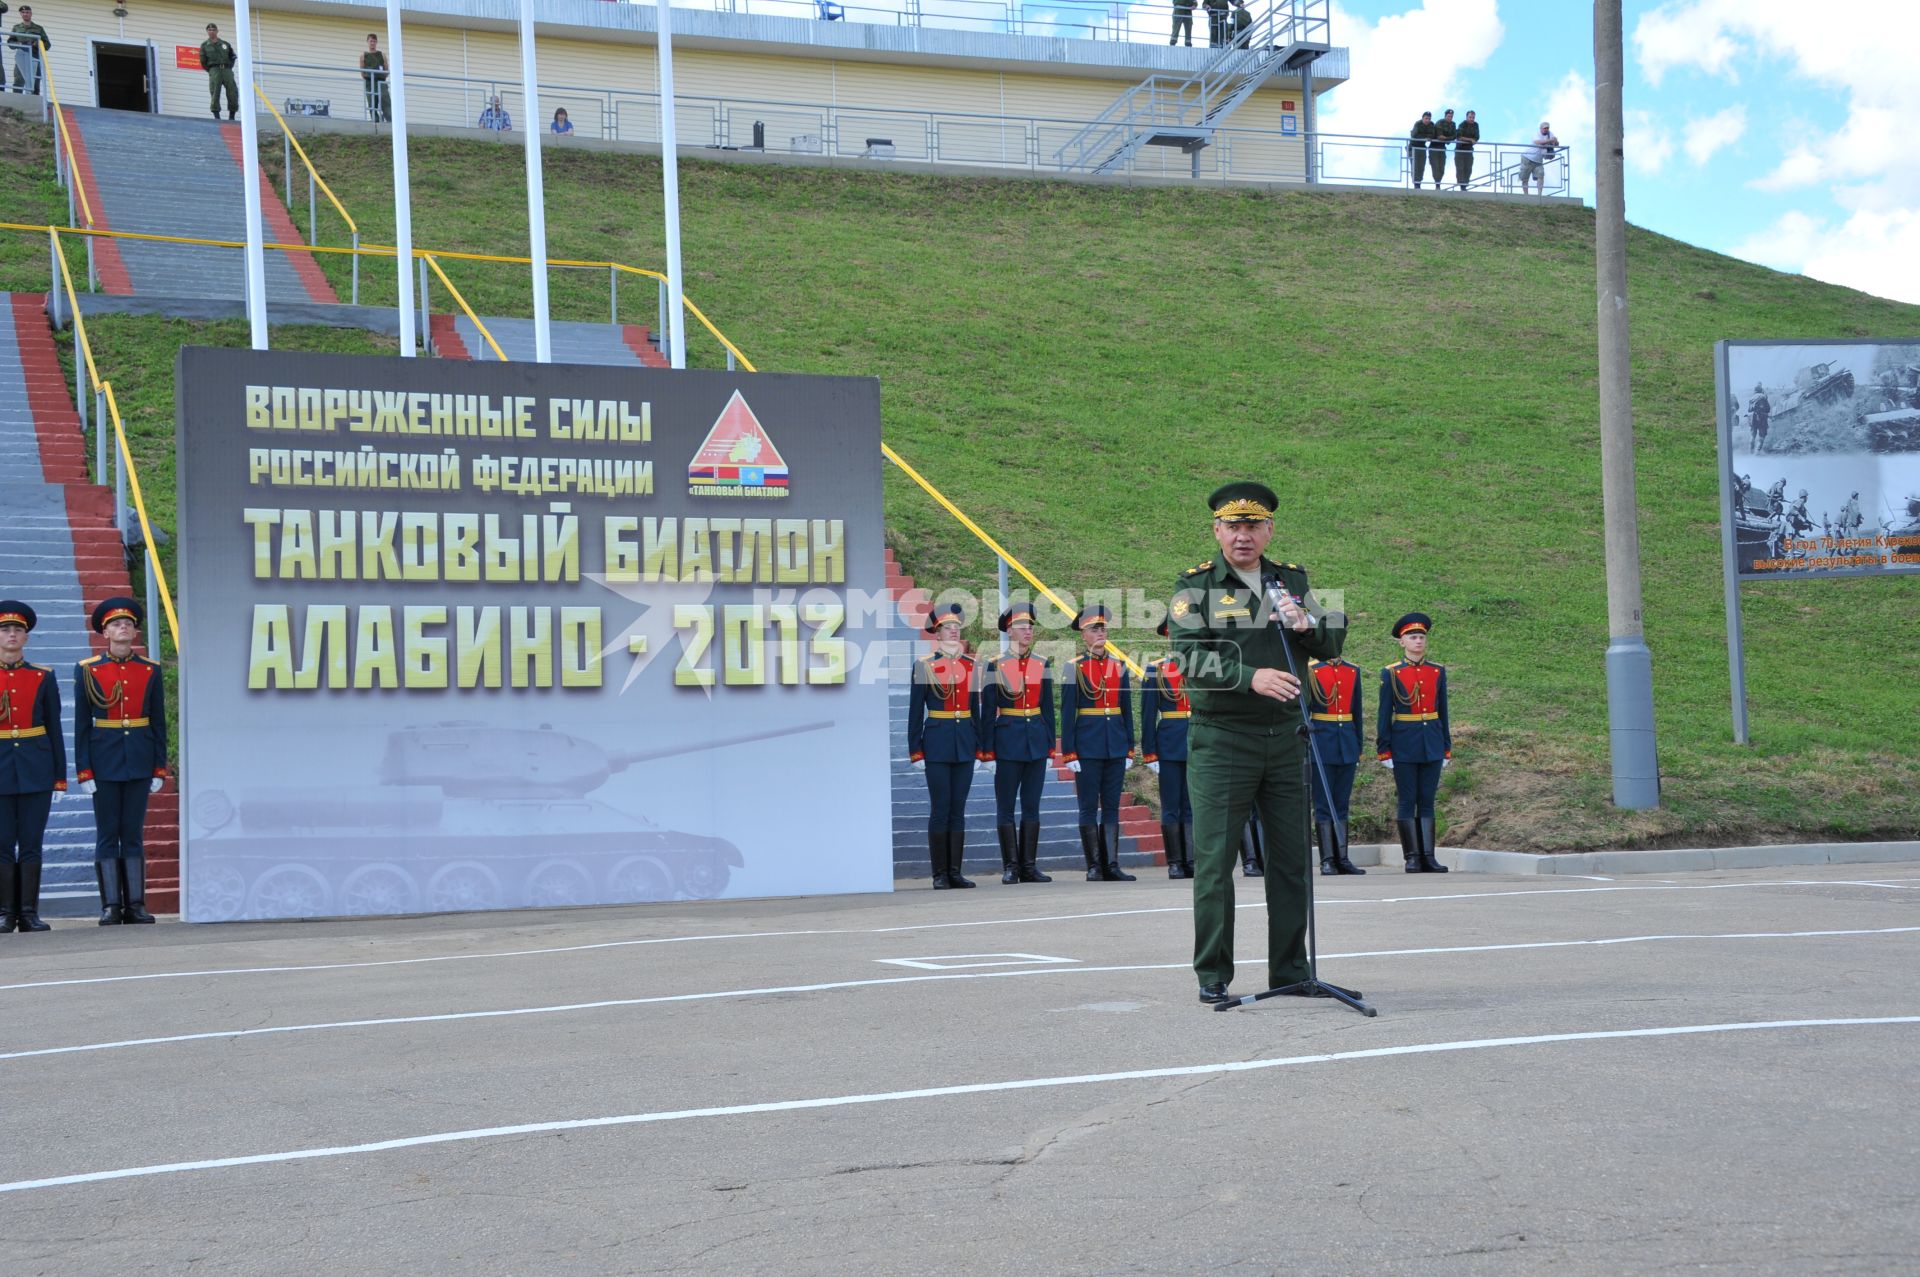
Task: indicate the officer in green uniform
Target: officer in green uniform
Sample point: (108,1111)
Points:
(1468,134)
(1444,132)
(1233,617)
(30,42)
(216,55)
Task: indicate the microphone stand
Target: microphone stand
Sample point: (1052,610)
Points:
(1313,986)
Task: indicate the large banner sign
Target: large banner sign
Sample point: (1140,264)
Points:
(476,636)
(1820,456)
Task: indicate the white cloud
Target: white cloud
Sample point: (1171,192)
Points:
(1705,138)
(1648,143)
(1569,109)
(1872,250)
(1409,62)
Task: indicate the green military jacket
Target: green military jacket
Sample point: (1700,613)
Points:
(1467,135)
(1222,635)
(215,54)
(27,32)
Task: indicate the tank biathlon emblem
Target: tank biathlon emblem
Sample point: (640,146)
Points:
(737,459)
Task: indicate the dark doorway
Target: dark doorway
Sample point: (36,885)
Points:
(121,79)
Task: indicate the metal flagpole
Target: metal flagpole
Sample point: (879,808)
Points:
(670,176)
(536,188)
(255,256)
(402,191)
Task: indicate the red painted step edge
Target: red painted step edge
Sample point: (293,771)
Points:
(107,262)
(636,337)
(446,337)
(284,231)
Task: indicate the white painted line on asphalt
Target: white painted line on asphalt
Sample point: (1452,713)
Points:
(449,1017)
(937,1092)
(1593,877)
(964,961)
(1249,903)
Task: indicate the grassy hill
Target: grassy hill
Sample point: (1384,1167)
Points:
(1078,365)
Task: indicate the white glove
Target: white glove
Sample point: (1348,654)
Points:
(1387,763)
(157,784)
(1074,766)
(988,766)
(919,764)
(1154,768)
(88,787)
(1129,766)
(1445,763)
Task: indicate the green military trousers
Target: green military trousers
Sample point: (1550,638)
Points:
(1229,775)
(219,78)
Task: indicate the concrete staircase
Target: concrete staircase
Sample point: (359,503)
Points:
(162,175)
(1140,842)
(622,345)
(62,554)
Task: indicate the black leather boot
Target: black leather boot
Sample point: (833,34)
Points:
(1186,846)
(1252,864)
(106,875)
(1340,856)
(1410,845)
(1427,863)
(1030,853)
(9,896)
(937,852)
(27,907)
(1170,839)
(1090,848)
(1110,870)
(134,881)
(1009,854)
(956,852)
(1323,838)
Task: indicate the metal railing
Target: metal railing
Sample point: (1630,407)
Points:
(121,473)
(290,146)
(1199,101)
(1374,160)
(1067,19)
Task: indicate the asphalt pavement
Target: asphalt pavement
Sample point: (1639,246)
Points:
(1710,1071)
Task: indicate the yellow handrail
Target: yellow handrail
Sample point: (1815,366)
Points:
(53,96)
(120,435)
(312,172)
(997,548)
(428,259)
(387,250)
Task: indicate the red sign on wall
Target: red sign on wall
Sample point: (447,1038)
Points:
(187,57)
(1286,106)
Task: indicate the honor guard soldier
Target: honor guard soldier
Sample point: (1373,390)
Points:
(1016,735)
(120,755)
(1414,739)
(33,768)
(1333,697)
(1096,742)
(1164,713)
(942,743)
(1240,623)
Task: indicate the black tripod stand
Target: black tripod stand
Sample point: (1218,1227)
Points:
(1313,986)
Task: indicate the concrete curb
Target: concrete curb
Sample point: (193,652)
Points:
(1673,860)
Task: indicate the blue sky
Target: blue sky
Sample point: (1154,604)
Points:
(1783,132)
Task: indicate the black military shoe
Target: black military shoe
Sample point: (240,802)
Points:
(1213,993)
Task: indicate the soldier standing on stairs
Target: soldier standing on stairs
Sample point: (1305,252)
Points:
(1096,742)
(120,756)
(1415,742)
(217,58)
(1016,736)
(33,768)
(941,741)
(1164,714)
(1333,697)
